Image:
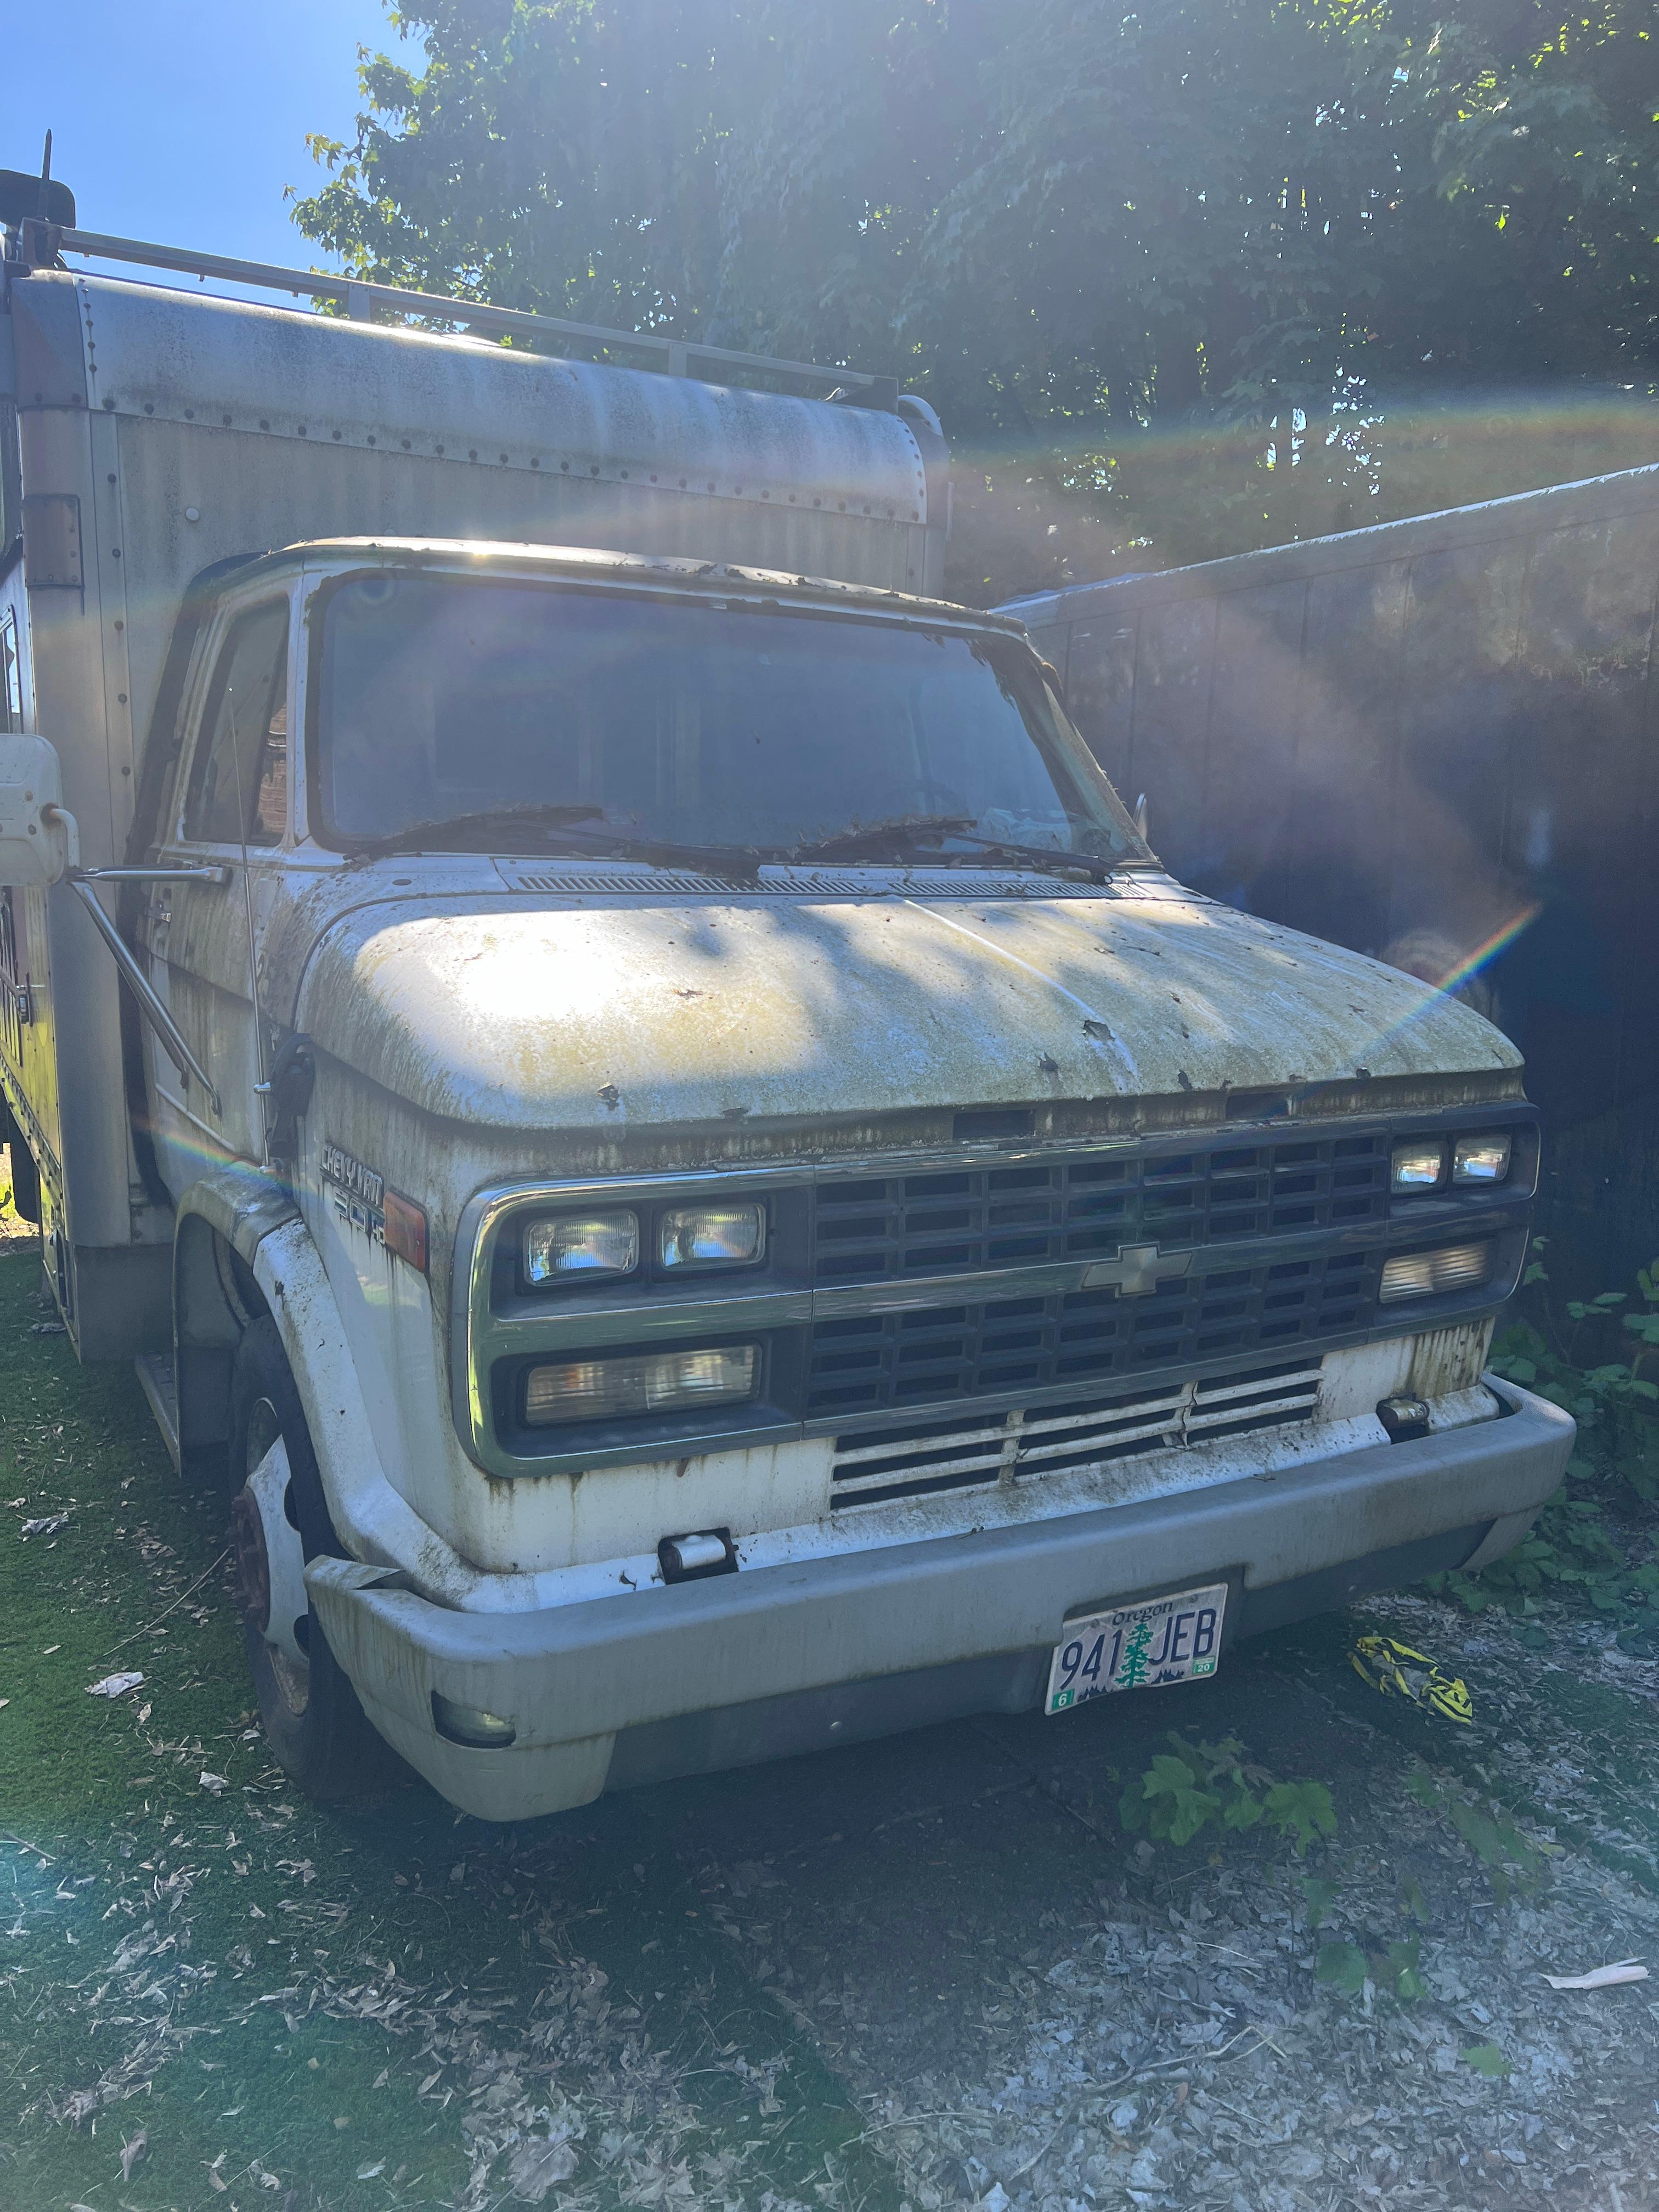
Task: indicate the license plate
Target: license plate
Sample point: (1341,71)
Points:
(1138,1647)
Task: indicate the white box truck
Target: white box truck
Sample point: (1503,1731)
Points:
(637,1097)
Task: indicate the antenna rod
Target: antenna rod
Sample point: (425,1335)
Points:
(45,177)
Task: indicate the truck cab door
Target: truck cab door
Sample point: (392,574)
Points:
(230,810)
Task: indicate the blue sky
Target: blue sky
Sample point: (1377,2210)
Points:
(180,121)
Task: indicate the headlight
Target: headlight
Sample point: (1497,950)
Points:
(712,1236)
(638,1382)
(1480,1159)
(1417,1165)
(560,1245)
(1422,1274)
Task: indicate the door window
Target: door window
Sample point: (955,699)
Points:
(239,787)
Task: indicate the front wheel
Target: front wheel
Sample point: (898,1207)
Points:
(279,1520)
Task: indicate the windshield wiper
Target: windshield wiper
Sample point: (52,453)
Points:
(921,833)
(1050,860)
(665,852)
(905,830)
(518,825)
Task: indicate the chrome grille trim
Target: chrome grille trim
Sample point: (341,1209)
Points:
(1113,1314)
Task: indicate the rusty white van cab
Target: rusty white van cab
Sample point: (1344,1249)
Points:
(640,1101)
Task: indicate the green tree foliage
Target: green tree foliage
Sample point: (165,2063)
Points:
(563,157)
(1594,1542)
(1212,273)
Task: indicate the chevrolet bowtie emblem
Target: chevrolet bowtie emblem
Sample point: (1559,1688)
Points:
(1138,1270)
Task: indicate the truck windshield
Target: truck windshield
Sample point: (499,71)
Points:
(679,720)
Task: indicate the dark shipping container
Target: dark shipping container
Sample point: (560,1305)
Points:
(1437,741)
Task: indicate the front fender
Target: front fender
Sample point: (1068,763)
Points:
(374,1522)
(237,1210)
(221,1221)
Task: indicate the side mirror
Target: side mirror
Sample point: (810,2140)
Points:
(38,842)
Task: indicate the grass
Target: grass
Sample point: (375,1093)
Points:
(108,1794)
(278,1910)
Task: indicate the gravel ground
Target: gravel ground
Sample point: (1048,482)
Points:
(1026,2009)
(1036,2012)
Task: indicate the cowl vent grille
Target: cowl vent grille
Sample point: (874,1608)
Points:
(563,880)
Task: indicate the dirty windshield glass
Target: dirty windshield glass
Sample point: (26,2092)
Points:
(730,727)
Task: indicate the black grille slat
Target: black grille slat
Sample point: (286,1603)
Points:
(988,1350)
(970,1220)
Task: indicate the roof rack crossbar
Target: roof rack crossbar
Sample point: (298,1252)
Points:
(673,356)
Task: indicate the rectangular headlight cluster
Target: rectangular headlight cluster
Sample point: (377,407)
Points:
(712,1236)
(634,1383)
(1429,1274)
(1429,1163)
(560,1246)
(607,1242)
(1480,1159)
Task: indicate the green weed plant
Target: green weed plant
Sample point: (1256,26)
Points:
(1193,1787)
(1579,1551)
(1394,1969)
(1509,1860)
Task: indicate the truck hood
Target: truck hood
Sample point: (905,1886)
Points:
(529,1015)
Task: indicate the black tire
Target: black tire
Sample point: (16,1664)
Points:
(315,1725)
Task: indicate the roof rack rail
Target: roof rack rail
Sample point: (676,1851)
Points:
(41,242)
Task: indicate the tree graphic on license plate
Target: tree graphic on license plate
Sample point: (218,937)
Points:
(1133,1670)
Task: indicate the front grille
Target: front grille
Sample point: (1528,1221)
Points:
(1020,1215)
(874,1361)
(921,1457)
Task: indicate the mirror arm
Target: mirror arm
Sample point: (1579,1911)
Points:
(202,875)
(139,984)
(71,828)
